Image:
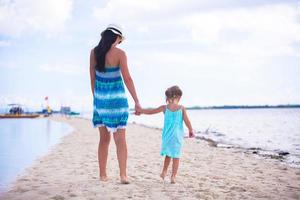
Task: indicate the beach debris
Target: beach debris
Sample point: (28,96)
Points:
(218,134)
(255,150)
(207,131)
(211,142)
(278,157)
(283,153)
(227,146)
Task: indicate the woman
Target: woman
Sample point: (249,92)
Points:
(108,70)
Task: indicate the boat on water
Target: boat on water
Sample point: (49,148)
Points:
(19,116)
(17,111)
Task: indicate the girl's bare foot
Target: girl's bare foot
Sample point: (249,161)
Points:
(103,178)
(124,180)
(163,175)
(173,180)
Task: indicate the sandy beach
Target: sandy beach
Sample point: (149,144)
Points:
(70,171)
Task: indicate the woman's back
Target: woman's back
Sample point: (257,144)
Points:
(112,58)
(110,101)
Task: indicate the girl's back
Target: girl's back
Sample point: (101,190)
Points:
(172,136)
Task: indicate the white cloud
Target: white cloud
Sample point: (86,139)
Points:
(123,11)
(8,65)
(260,31)
(4,43)
(64,68)
(48,16)
(137,15)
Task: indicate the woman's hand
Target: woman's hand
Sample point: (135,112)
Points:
(138,108)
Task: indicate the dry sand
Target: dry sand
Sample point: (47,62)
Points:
(70,171)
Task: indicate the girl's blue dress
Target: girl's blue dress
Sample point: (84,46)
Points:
(173,134)
(110,101)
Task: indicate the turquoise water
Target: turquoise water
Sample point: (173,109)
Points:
(24,140)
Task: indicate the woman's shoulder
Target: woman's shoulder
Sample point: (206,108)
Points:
(93,51)
(120,54)
(118,50)
(92,54)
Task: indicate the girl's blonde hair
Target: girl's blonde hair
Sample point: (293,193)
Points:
(173,92)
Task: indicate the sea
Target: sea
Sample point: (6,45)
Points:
(24,140)
(267,132)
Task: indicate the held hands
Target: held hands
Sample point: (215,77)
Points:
(138,108)
(191,134)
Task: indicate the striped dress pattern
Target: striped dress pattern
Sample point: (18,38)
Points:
(110,101)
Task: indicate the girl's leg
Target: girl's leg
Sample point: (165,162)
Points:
(120,141)
(103,152)
(165,168)
(174,169)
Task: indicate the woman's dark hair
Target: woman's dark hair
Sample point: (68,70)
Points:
(173,92)
(107,39)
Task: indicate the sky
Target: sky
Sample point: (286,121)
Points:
(218,52)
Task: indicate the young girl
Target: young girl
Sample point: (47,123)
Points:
(172,134)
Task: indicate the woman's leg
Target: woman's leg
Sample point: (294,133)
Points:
(174,169)
(103,152)
(120,141)
(165,168)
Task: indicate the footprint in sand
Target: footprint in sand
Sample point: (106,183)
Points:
(24,179)
(72,195)
(22,190)
(238,189)
(43,192)
(58,197)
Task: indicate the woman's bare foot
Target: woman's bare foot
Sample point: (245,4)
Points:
(103,178)
(124,180)
(163,175)
(173,179)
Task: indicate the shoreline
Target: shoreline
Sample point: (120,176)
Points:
(25,140)
(70,170)
(281,156)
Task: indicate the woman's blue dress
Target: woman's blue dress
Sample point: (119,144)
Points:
(110,101)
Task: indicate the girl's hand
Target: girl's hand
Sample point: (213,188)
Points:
(138,108)
(191,134)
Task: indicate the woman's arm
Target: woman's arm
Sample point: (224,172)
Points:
(153,111)
(128,81)
(92,70)
(187,122)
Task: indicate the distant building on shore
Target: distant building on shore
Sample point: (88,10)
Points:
(65,110)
